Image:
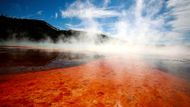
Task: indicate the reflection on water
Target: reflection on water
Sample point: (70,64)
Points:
(17,60)
(14,60)
(12,57)
(175,65)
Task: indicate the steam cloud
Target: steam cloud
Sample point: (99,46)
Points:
(148,27)
(144,25)
(144,22)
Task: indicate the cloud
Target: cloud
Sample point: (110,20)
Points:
(87,10)
(56,15)
(181,12)
(39,12)
(144,22)
(75,26)
(106,2)
(141,24)
(88,13)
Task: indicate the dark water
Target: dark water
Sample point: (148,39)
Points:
(19,60)
(179,66)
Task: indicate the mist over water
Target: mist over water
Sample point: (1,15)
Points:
(143,30)
(144,25)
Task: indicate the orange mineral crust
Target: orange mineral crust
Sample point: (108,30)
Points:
(107,82)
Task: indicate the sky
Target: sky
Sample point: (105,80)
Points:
(136,21)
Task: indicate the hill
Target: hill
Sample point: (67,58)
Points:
(38,30)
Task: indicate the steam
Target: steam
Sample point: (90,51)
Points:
(144,22)
(146,26)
